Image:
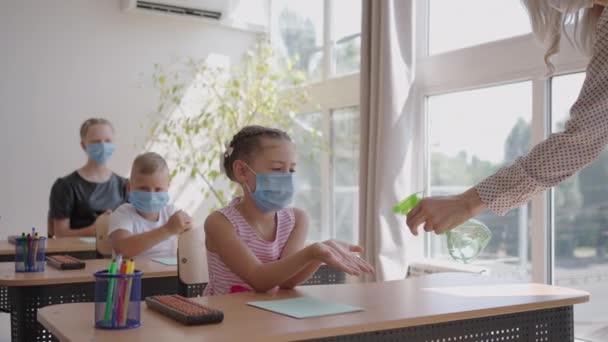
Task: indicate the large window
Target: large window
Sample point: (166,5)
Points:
(487,104)
(300,34)
(464,23)
(318,36)
(581,223)
(328,173)
(326,44)
(346,35)
(309,143)
(462,154)
(345,165)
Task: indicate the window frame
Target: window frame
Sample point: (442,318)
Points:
(492,64)
(330,93)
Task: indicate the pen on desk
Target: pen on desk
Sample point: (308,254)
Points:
(35,254)
(119,294)
(29,253)
(108,312)
(24,252)
(127,296)
(115,289)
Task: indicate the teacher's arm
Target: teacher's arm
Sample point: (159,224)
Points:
(549,163)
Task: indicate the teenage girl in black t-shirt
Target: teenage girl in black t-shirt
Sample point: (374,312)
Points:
(79,199)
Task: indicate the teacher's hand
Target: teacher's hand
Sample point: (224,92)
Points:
(443,213)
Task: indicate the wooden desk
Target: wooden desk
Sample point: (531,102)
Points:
(441,307)
(72,246)
(30,291)
(69,245)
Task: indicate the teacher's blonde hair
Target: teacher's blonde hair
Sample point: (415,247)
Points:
(548,24)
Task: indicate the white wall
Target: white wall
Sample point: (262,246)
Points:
(63,61)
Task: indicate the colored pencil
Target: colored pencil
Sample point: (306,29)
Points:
(35,254)
(119,294)
(127,297)
(108,312)
(24,241)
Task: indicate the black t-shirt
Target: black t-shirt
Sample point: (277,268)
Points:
(82,201)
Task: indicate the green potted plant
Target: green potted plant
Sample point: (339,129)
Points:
(202,106)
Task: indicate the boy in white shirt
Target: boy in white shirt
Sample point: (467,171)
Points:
(147,225)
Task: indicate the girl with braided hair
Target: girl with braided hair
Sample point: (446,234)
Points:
(258,243)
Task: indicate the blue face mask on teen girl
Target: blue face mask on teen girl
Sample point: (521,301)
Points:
(273,191)
(100,152)
(148,202)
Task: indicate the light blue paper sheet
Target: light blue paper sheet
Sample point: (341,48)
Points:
(304,307)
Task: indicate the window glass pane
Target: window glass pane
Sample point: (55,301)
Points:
(471,135)
(300,34)
(345,161)
(347,35)
(308,171)
(463,23)
(581,225)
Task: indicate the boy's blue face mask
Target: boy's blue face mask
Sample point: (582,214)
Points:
(100,152)
(148,202)
(273,191)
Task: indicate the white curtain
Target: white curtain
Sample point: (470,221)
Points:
(392,151)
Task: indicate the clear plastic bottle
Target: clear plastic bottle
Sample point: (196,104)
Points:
(465,241)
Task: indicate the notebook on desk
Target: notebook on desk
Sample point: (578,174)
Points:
(304,307)
(166,261)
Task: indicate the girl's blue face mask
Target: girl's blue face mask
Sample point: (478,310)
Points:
(148,202)
(273,191)
(100,152)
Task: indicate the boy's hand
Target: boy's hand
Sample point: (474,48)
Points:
(179,223)
(103,218)
(105,213)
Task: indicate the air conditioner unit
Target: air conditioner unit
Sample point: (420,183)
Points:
(203,9)
(430,266)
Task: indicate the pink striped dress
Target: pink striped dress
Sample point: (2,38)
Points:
(221,279)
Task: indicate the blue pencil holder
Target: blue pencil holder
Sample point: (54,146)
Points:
(30,254)
(117,300)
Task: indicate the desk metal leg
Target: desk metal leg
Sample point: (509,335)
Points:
(26,300)
(158,286)
(4,300)
(550,325)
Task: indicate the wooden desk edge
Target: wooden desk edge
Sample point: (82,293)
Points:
(78,246)
(437,319)
(48,326)
(380,326)
(80,279)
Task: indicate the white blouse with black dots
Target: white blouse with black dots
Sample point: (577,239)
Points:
(562,154)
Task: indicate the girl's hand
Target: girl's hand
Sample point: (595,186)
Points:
(342,256)
(351,252)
